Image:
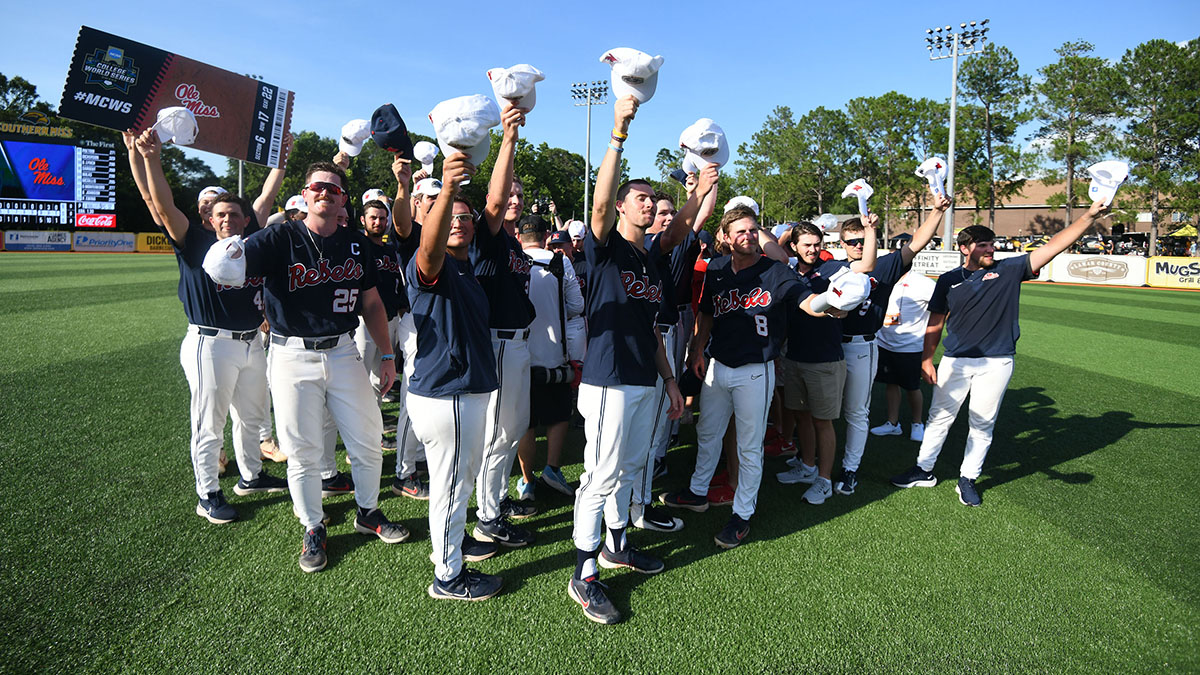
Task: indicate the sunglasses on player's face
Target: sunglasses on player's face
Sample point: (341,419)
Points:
(328,188)
(852,242)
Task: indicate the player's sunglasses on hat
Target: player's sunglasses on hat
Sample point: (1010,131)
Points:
(853,242)
(329,188)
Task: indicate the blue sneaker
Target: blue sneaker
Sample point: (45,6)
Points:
(517,510)
(632,559)
(524,490)
(847,483)
(215,509)
(591,597)
(312,552)
(968,494)
(555,479)
(915,477)
(471,585)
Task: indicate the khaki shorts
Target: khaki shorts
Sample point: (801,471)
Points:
(814,387)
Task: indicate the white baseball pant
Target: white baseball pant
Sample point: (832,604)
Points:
(985,379)
(745,392)
(617,421)
(308,384)
(507,422)
(452,430)
(408,448)
(862,360)
(266,429)
(225,378)
(371,355)
(660,434)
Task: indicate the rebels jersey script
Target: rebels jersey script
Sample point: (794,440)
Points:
(503,270)
(454,345)
(982,307)
(812,339)
(749,309)
(624,292)
(313,284)
(389,276)
(206,302)
(868,317)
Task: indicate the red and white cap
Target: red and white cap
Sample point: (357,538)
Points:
(634,73)
(516,84)
(705,144)
(354,134)
(374,194)
(295,202)
(462,125)
(431,187)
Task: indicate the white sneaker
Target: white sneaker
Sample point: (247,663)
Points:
(794,461)
(798,474)
(918,433)
(822,489)
(887,429)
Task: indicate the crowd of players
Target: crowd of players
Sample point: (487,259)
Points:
(504,324)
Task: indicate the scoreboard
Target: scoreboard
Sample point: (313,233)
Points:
(45,183)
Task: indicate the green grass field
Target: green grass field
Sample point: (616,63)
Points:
(1084,557)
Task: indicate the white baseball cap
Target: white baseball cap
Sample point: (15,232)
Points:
(210,191)
(575,229)
(1107,176)
(461,125)
(705,144)
(428,186)
(826,222)
(741,200)
(374,193)
(779,229)
(634,73)
(848,289)
(354,134)
(295,202)
(176,124)
(425,152)
(516,84)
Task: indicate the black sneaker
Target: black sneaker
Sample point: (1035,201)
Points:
(660,468)
(631,559)
(733,533)
(387,443)
(471,585)
(591,597)
(517,510)
(474,550)
(657,519)
(411,487)
(503,532)
(341,484)
(312,552)
(968,494)
(847,483)
(684,499)
(263,482)
(215,509)
(374,522)
(915,477)
(422,469)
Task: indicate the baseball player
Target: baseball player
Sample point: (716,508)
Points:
(977,304)
(318,277)
(220,355)
(858,331)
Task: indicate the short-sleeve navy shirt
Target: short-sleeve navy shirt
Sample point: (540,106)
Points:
(812,339)
(750,309)
(205,302)
(982,307)
(625,290)
(389,278)
(502,268)
(868,317)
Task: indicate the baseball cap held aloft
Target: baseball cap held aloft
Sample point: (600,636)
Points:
(634,73)
(516,84)
(176,124)
(354,134)
(425,152)
(461,125)
(705,144)
(388,132)
(1107,176)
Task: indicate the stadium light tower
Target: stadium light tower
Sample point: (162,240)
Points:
(945,43)
(585,94)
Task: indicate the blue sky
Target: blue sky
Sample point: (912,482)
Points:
(730,61)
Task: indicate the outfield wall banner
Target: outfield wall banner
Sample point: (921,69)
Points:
(1111,270)
(936,263)
(154,242)
(26,240)
(1173,272)
(105,242)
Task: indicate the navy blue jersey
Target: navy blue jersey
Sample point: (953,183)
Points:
(815,339)
(205,302)
(683,263)
(667,314)
(503,270)
(749,309)
(389,279)
(581,272)
(313,284)
(454,345)
(982,307)
(624,293)
(868,317)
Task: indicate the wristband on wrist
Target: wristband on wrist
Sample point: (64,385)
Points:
(668,378)
(618,135)
(388,357)
(616,148)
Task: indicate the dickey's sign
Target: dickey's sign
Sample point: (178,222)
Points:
(153,242)
(120,84)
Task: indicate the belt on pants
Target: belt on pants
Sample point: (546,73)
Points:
(860,338)
(310,343)
(522,334)
(243,335)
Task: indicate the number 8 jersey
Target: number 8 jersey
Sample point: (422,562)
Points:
(749,309)
(313,284)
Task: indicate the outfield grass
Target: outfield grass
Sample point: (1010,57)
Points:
(1084,556)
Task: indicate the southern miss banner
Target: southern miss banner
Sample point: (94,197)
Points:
(121,84)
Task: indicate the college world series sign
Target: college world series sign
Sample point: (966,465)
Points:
(120,84)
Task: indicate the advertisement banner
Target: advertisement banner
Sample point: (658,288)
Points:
(25,240)
(153,242)
(105,221)
(1111,270)
(936,263)
(120,84)
(105,242)
(1173,272)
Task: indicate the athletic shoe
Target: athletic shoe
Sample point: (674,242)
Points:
(794,461)
(555,479)
(411,487)
(684,499)
(631,559)
(968,494)
(340,484)
(524,490)
(474,550)
(517,510)
(733,533)
(780,450)
(821,489)
(392,396)
(914,477)
(312,552)
(719,478)
(918,433)
(720,495)
(389,421)
(471,585)
(660,468)
(847,483)
(269,449)
(503,532)
(374,522)
(387,443)
(654,518)
(887,429)
(263,482)
(215,509)
(590,596)
(798,474)
(422,469)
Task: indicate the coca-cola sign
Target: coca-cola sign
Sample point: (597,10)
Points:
(107,221)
